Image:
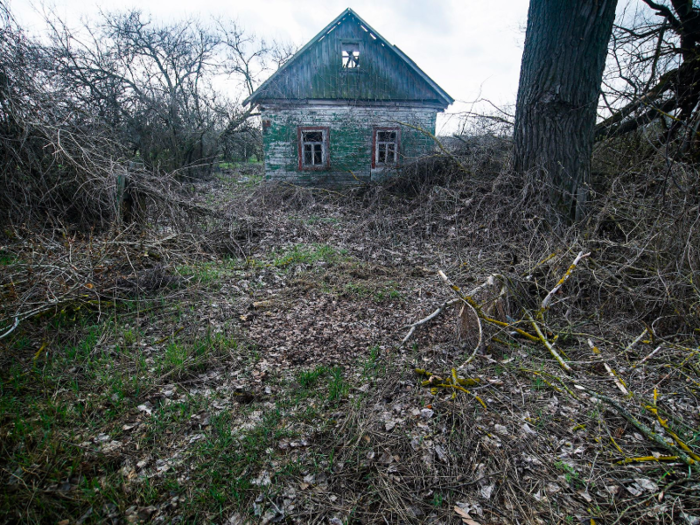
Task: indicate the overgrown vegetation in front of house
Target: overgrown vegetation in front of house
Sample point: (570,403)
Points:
(217,349)
(256,372)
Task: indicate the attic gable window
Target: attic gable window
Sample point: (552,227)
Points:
(351,55)
(386,147)
(313,148)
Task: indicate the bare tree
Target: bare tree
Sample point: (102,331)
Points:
(96,121)
(654,74)
(249,57)
(152,81)
(560,77)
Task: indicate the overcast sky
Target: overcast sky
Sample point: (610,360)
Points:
(471,48)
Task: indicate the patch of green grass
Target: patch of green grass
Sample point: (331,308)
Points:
(383,293)
(309,381)
(7,258)
(570,474)
(389,294)
(176,354)
(42,409)
(308,254)
(130,336)
(229,461)
(370,368)
(89,380)
(20,343)
(337,387)
(538,383)
(194,355)
(209,272)
(309,378)
(82,350)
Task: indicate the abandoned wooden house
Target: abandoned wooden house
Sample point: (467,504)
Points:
(348,106)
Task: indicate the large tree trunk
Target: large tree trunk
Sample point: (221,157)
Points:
(562,67)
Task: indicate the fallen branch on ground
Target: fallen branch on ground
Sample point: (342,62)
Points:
(565,277)
(427,319)
(454,382)
(646,431)
(549,345)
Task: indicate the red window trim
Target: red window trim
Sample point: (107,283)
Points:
(326,145)
(374,146)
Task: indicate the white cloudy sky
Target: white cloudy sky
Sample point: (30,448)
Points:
(471,48)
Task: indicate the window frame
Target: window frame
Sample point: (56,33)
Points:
(325,149)
(375,152)
(357,43)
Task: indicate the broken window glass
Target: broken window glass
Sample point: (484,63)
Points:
(386,147)
(351,55)
(312,148)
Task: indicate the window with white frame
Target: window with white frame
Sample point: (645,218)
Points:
(350,52)
(313,148)
(386,147)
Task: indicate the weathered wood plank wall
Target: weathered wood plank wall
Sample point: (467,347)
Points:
(318,73)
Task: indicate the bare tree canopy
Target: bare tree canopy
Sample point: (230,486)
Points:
(654,73)
(84,111)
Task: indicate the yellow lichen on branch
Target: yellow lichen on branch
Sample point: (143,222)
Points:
(648,432)
(557,287)
(627,461)
(548,345)
(614,375)
(453,381)
(664,423)
(468,299)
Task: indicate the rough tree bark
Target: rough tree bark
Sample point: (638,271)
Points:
(560,76)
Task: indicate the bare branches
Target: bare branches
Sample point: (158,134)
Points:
(653,75)
(560,283)
(548,345)
(11,329)
(92,121)
(248,56)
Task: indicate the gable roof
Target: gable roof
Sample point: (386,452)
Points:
(275,84)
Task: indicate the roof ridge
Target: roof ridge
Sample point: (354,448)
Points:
(326,30)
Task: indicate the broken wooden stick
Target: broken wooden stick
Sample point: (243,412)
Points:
(618,381)
(549,345)
(412,327)
(647,357)
(427,319)
(11,329)
(474,307)
(478,343)
(639,338)
(454,382)
(565,277)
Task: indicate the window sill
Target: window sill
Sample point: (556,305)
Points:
(313,168)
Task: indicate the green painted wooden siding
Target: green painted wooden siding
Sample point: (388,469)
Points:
(350,140)
(318,73)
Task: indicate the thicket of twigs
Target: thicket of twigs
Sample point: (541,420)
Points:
(615,333)
(101,122)
(635,297)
